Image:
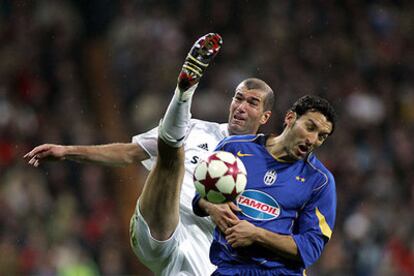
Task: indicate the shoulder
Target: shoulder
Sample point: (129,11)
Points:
(200,127)
(151,134)
(200,124)
(253,138)
(323,177)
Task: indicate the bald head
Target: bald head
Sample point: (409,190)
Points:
(251,107)
(258,84)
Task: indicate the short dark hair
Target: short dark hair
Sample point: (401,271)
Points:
(315,103)
(255,83)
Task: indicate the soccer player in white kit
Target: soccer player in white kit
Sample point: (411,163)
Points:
(165,235)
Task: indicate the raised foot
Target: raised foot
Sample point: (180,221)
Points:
(198,59)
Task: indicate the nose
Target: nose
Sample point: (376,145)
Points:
(312,138)
(242,106)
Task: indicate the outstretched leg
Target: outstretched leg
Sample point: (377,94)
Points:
(160,198)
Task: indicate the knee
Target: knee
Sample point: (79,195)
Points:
(169,157)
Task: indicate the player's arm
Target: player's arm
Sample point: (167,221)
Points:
(219,213)
(244,233)
(117,154)
(315,224)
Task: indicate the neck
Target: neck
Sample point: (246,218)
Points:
(276,147)
(254,132)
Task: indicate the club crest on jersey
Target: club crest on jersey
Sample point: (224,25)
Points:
(258,205)
(270,177)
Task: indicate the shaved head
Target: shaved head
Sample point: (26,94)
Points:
(258,84)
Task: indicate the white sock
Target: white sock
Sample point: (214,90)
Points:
(174,125)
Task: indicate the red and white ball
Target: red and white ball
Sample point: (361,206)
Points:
(220,178)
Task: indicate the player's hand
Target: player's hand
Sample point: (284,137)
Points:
(241,233)
(45,152)
(223,215)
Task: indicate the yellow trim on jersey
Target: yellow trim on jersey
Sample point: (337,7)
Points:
(304,272)
(323,225)
(280,160)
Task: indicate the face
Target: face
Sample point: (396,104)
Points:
(247,111)
(305,134)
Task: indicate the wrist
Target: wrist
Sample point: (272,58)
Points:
(205,205)
(67,151)
(258,235)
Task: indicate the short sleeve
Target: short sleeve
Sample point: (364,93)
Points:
(148,141)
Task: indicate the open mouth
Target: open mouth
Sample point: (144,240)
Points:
(238,119)
(303,149)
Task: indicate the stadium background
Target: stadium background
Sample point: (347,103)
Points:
(92,72)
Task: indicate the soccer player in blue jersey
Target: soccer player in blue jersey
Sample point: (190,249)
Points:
(285,216)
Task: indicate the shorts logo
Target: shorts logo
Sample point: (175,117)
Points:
(258,205)
(270,177)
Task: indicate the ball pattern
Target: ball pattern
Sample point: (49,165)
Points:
(220,178)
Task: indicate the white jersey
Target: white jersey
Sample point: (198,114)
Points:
(201,139)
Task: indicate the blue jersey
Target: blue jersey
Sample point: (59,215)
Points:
(296,199)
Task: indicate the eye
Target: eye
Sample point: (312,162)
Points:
(310,127)
(237,98)
(322,137)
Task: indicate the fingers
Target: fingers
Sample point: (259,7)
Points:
(229,209)
(34,162)
(231,220)
(232,238)
(235,243)
(234,207)
(31,153)
(223,215)
(222,225)
(222,222)
(232,241)
(36,154)
(231,216)
(36,151)
(229,231)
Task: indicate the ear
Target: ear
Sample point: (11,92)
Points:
(290,118)
(265,117)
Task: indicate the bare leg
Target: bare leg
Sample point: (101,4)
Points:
(160,199)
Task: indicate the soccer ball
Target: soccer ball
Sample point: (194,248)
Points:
(220,178)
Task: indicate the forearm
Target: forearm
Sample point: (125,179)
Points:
(201,207)
(111,155)
(283,245)
(204,205)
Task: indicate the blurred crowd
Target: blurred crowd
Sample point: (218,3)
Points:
(62,218)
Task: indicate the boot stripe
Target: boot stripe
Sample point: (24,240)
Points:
(197,61)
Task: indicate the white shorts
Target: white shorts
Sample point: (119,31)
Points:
(186,252)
